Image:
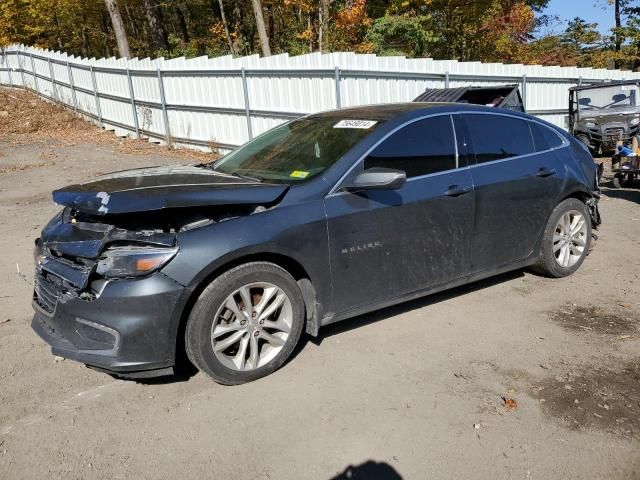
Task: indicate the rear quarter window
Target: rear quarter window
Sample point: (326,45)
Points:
(544,138)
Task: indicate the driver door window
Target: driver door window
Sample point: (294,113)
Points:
(421,148)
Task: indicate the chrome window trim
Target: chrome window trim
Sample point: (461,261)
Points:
(565,143)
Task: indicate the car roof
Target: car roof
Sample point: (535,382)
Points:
(604,85)
(388,111)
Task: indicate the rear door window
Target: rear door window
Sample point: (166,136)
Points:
(420,148)
(496,137)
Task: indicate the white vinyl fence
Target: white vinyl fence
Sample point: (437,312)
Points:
(220,103)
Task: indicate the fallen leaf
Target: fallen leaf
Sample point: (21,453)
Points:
(510,403)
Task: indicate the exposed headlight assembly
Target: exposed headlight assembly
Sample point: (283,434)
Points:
(591,124)
(634,121)
(133,261)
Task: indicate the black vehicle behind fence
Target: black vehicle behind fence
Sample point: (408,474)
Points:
(602,115)
(497,96)
(321,219)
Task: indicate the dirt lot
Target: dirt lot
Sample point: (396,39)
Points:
(515,377)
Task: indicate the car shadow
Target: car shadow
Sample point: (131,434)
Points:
(388,312)
(630,195)
(369,470)
(184,370)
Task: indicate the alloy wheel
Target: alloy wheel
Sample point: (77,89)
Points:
(251,326)
(570,238)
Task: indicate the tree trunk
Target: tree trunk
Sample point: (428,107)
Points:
(618,25)
(156,24)
(118,28)
(58,31)
(324,25)
(225,24)
(85,49)
(321,20)
(262,31)
(182,24)
(132,21)
(618,37)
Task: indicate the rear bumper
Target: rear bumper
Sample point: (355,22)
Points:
(128,330)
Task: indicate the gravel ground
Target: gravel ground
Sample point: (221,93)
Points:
(514,377)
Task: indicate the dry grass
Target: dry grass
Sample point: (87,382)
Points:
(23,167)
(28,118)
(25,119)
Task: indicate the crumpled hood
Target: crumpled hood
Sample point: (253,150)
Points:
(156,188)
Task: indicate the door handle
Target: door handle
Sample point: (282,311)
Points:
(545,172)
(456,191)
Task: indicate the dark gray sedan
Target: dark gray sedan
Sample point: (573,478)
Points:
(323,218)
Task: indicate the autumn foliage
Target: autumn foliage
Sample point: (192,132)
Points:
(506,31)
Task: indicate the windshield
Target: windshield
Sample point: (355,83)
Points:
(296,151)
(618,96)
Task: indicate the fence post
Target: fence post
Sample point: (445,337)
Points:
(446,80)
(73,87)
(53,81)
(33,72)
(95,95)
(5,61)
(24,84)
(336,78)
(524,90)
(167,130)
(133,104)
(247,110)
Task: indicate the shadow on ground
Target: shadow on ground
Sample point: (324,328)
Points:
(385,313)
(630,195)
(369,470)
(185,370)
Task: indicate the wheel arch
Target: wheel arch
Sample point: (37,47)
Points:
(581,195)
(287,263)
(578,193)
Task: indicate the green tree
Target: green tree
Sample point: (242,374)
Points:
(402,35)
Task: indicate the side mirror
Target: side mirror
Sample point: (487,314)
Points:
(378,178)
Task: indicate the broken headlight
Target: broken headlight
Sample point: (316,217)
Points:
(133,261)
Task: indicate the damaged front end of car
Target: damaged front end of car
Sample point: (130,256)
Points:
(100,294)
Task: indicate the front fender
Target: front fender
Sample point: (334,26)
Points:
(296,232)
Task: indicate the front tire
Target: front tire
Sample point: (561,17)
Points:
(246,323)
(566,239)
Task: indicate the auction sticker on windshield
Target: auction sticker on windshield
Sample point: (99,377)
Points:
(299,174)
(355,124)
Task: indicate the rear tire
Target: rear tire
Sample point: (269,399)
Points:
(566,240)
(246,323)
